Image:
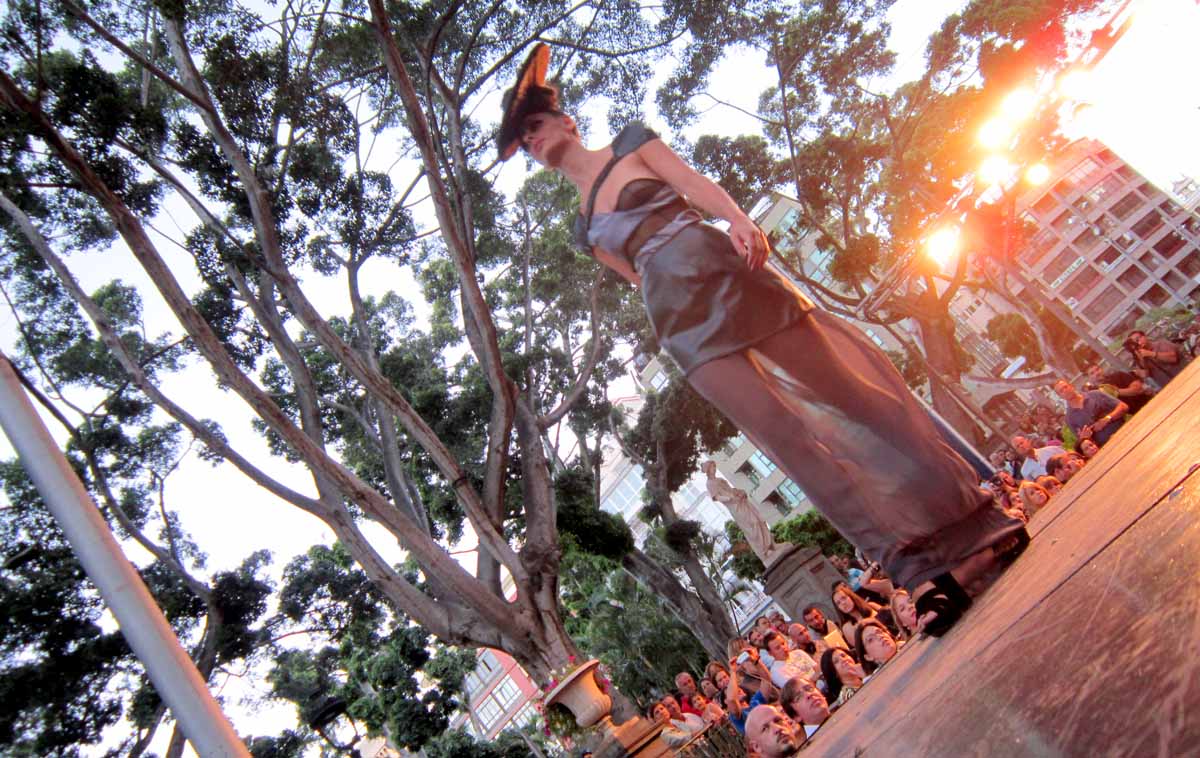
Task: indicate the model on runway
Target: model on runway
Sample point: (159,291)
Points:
(808,389)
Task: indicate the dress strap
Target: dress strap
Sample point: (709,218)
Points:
(627,141)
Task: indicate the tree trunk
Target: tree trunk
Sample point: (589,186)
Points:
(713,635)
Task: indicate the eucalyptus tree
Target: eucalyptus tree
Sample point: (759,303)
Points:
(268,129)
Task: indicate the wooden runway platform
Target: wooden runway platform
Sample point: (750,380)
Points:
(1089,645)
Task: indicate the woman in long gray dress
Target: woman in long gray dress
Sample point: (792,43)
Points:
(806,388)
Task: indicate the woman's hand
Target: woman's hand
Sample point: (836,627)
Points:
(750,242)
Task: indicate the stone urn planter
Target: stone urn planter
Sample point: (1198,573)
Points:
(580,694)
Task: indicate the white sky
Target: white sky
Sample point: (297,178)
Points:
(229,517)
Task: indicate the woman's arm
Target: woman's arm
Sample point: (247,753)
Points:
(708,196)
(618,264)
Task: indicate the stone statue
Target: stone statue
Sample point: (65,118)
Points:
(737,502)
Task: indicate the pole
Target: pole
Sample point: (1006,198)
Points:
(169,667)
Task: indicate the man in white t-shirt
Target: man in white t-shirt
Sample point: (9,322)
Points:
(681,726)
(1033,459)
(789,663)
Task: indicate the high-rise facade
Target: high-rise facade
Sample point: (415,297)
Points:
(1109,244)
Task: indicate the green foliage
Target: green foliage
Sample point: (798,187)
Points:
(744,561)
(1013,335)
(616,619)
(458,743)
(743,166)
(910,367)
(811,529)
(579,517)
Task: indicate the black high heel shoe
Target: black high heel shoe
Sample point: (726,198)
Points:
(947,599)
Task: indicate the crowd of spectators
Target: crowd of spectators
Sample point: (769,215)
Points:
(784,678)
(1055,447)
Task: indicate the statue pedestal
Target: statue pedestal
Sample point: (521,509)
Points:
(638,737)
(800,576)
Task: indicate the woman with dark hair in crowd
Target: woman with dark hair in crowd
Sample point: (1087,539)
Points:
(842,674)
(875,645)
(807,388)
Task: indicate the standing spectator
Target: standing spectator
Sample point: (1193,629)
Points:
(1093,415)
(1033,459)
(1160,359)
(709,689)
(736,702)
(685,686)
(1129,388)
(801,638)
(804,703)
(814,619)
(680,726)
(789,663)
(852,610)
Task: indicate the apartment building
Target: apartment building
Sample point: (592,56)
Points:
(1109,243)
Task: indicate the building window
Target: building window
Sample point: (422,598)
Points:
(1080,177)
(1046,204)
(1107,188)
(1147,225)
(791,492)
(507,692)
(489,712)
(1108,258)
(1124,207)
(750,473)
(761,463)
(1155,296)
(1103,305)
(1081,284)
(874,337)
(1170,244)
(626,497)
(1132,277)
(1086,240)
(659,380)
(734,444)
(1067,260)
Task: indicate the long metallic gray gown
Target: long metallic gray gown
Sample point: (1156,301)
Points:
(808,389)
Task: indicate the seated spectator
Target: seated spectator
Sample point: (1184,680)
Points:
(734,701)
(685,690)
(1159,359)
(804,703)
(1050,484)
(681,726)
(875,644)
(771,734)
(904,611)
(1033,497)
(814,619)
(1092,415)
(1033,459)
(1126,387)
(852,610)
(800,638)
(1088,449)
(789,663)
(843,676)
(708,688)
